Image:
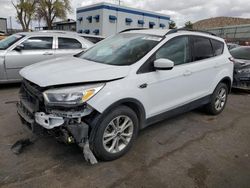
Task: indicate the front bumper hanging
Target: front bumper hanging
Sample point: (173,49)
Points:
(76,132)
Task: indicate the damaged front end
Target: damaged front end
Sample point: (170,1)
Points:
(242,75)
(65,122)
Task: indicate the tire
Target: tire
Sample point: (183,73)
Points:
(102,142)
(218,100)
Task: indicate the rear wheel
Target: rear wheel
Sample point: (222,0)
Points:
(218,99)
(115,133)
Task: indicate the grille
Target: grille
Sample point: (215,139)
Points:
(31,95)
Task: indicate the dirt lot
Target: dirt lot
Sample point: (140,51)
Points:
(191,150)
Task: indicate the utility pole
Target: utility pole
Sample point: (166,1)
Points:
(10,25)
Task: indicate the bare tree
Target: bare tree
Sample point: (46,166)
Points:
(48,10)
(172,25)
(25,10)
(189,25)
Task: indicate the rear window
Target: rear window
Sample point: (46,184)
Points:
(93,39)
(202,48)
(68,43)
(241,53)
(217,46)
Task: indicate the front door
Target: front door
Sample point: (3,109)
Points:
(33,50)
(168,89)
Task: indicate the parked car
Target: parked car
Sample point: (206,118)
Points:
(104,96)
(93,38)
(241,67)
(23,49)
(232,46)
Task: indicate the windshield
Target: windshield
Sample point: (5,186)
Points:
(241,53)
(121,49)
(7,42)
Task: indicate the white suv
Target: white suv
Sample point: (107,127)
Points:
(104,96)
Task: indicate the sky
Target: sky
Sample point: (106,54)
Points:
(180,11)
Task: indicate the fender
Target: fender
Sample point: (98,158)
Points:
(225,73)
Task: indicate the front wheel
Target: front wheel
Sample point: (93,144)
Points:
(115,133)
(218,99)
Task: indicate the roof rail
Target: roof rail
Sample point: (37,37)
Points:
(193,30)
(132,29)
(55,31)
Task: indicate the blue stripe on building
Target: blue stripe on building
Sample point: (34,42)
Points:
(123,10)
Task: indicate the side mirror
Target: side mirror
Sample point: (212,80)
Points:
(19,47)
(163,64)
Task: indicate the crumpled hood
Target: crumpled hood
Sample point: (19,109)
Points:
(67,70)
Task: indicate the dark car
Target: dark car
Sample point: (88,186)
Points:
(232,46)
(241,67)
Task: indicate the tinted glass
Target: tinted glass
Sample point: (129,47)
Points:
(202,48)
(7,42)
(37,43)
(68,43)
(176,50)
(93,39)
(241,53)
(121,49)
(218,47)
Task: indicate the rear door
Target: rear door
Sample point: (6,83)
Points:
(35,49)
(204,64)
(68,46)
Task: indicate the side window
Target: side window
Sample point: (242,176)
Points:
(176,49)
(217,46)
(202,48)
(38,43)
(68,43)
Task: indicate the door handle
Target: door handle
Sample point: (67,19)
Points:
(187,73)
(47,53)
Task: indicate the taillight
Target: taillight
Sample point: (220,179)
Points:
(231,59)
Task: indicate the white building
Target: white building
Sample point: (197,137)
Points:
(107,19)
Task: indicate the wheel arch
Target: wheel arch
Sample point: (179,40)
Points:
(227,80)
(132,103)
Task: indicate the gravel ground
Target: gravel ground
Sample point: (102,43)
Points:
(190,150)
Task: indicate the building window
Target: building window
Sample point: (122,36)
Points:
(112,18)
(128,21)
(89,18)
(162,25)
(97,18)
(86,31)
(151,25)
(140,22)
(96,31)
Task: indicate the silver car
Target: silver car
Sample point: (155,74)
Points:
(23,49)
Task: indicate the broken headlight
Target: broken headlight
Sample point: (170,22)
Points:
(71,95)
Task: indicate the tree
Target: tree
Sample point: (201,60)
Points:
(25,10)
(189,25)
(48,10)
(172,25)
